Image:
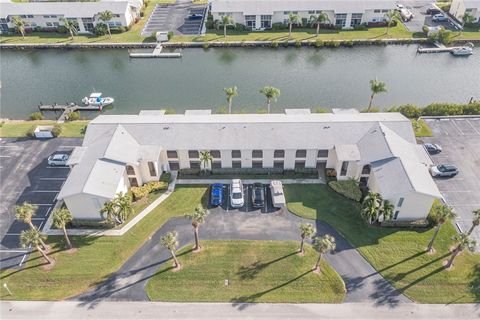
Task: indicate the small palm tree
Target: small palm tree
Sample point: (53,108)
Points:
(376,87)
(371,207)
(106,16)
(25,213)
(319,19)
(306,232)
(226,21)
(468,18)
(60,219)
(205,159)
(108,210)
(475,221)
(34,238)
(323,245)
(463,242)
(197,217)
(390,17)
(292,19)
(71,26)
(230,92)
(443,214)
(169,241)
(20,25)
(271,93)
(387,210)
(124,206)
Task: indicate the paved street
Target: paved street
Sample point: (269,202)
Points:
(460,140)
(26,176)
(212,311)
(420,16)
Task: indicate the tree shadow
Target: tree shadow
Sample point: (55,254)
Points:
(475,281)
(251,272)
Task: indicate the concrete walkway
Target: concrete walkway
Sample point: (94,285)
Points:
(250,181)
(363,283)
(212,311)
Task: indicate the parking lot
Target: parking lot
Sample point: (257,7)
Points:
(460,140)
(421,18)
(248,205)
(26,176)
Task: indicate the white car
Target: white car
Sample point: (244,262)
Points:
(59,159)
(236,193)
(439,18)
(400,6)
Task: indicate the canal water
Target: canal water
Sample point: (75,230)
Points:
(307,77)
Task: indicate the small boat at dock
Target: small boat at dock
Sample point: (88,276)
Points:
(462,51)
(96,99)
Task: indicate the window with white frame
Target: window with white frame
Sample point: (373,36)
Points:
(356,19)
(340,20)
(250,22)
(266,21)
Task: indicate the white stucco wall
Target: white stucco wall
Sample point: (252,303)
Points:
(85,206)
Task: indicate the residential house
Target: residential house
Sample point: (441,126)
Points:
(458,8)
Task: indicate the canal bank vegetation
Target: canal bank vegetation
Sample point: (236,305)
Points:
(20,128)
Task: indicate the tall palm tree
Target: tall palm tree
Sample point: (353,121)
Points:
(205,159)
(230,92)
(106,16)
(371,207)
(124,206)
(71,26)
(390,16)
(443,213)
(197,217)
(475,221)
(271,93)
(306,232)
(387,210)
(323,245)
(25,213)
(376,87)
(226,21)
(60,219)
(20,25)
(319,19)
(463,242)
(169,241)
(292,19)
(34,238)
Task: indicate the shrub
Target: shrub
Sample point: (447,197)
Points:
(31,132)
(442,109)
(306,170)
(100,29)
(333,44)
(139,193)
(348,43)
(61,29)
(205,45)
(165,177)
(189,172)
(319,43)
(170,35)
(73,116)
(361,27)
(320,110)
(408,110)
(471,108)
(274,44)
(154,186)
(298,44)
(115,30)
(209,25)
(240,27)
(36,116)
(279,26)
(347,188)
(285,43)
(372,110)
(57,130)
(330,172)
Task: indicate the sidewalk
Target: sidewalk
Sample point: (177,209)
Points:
(250,181)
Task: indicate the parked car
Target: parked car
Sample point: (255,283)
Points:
(258,195)
(432,148)
(195,16)
(59,159)
(406,14)
(439,18)
(400,6)
(236,193)
(433,11)
(216,194)
(444,170)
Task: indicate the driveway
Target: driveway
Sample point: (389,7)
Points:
(421,18)
(460,140)
(26,176)
(363,283)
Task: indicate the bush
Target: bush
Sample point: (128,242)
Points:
(433,215)
(73,116)
(165,177)
(372,110)
(115,30)
(298,44)
(240,27)
(306,170)
(189,172)
(361,27)
(36,116)
(138,193)
(279,26)
(438,109)
(246,171)
(143,191)
(319,43)
(61,29)
(347,188)
(89,224)
(205,45)
(333,44)
(320,110)
(348,43)
(442,109)
(285,43)
(330,172)
(170,35)
(209,25)
(31,132)
(100,29)
(274,44)
(408,110)
(57,130)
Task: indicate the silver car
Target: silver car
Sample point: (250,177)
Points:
(444,170)
(59,159)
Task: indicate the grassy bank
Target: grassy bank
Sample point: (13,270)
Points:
(96,257)
(19,129)
(398,254)
(260,271)
(421,128)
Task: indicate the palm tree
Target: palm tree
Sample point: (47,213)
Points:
(323,245)
(387,210)
(467,18)
(106,16)
(227,20)
(169,241)
(197,217)
(108,210)
(205,159)
(376,87)
(390,16)
(371,207)
(475,221)
(34,238)
(71,26)
(25,213)
(230,92)
(464,242)
(319,19)
(60,219)
(271,93)
(124,206)
(306,231)
(443,213)
(20,25)
(292,19)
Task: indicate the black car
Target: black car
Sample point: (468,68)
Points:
(258,195)
(432,148)
(433,11)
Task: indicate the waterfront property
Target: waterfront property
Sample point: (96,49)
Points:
(49,16)
(377,149)
(260,15)
(458,8)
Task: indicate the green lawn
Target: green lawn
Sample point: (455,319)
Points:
(15,129)
(398,254)
(421,128)
(258,271)
(96,258)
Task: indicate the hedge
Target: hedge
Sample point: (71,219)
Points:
(438,109)
(347,188)
(152,186)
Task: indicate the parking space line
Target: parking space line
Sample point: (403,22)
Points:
(48,211)
(13,251)
(5,156)
(34,219)
(45,191)
(12,234)
(471,125)
(446,191)
(52,178)
(458,128)
(42,204)
(65,146)
(55,167)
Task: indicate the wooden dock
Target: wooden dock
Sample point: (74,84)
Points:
(66,109)
(156,53)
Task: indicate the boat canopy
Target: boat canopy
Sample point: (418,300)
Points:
(95,95)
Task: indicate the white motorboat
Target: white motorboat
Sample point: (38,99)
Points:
(462,51)
(96,99)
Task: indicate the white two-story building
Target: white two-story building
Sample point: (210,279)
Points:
(458,8)
(377,149)
(260,15)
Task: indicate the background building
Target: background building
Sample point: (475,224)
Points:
(459,7)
